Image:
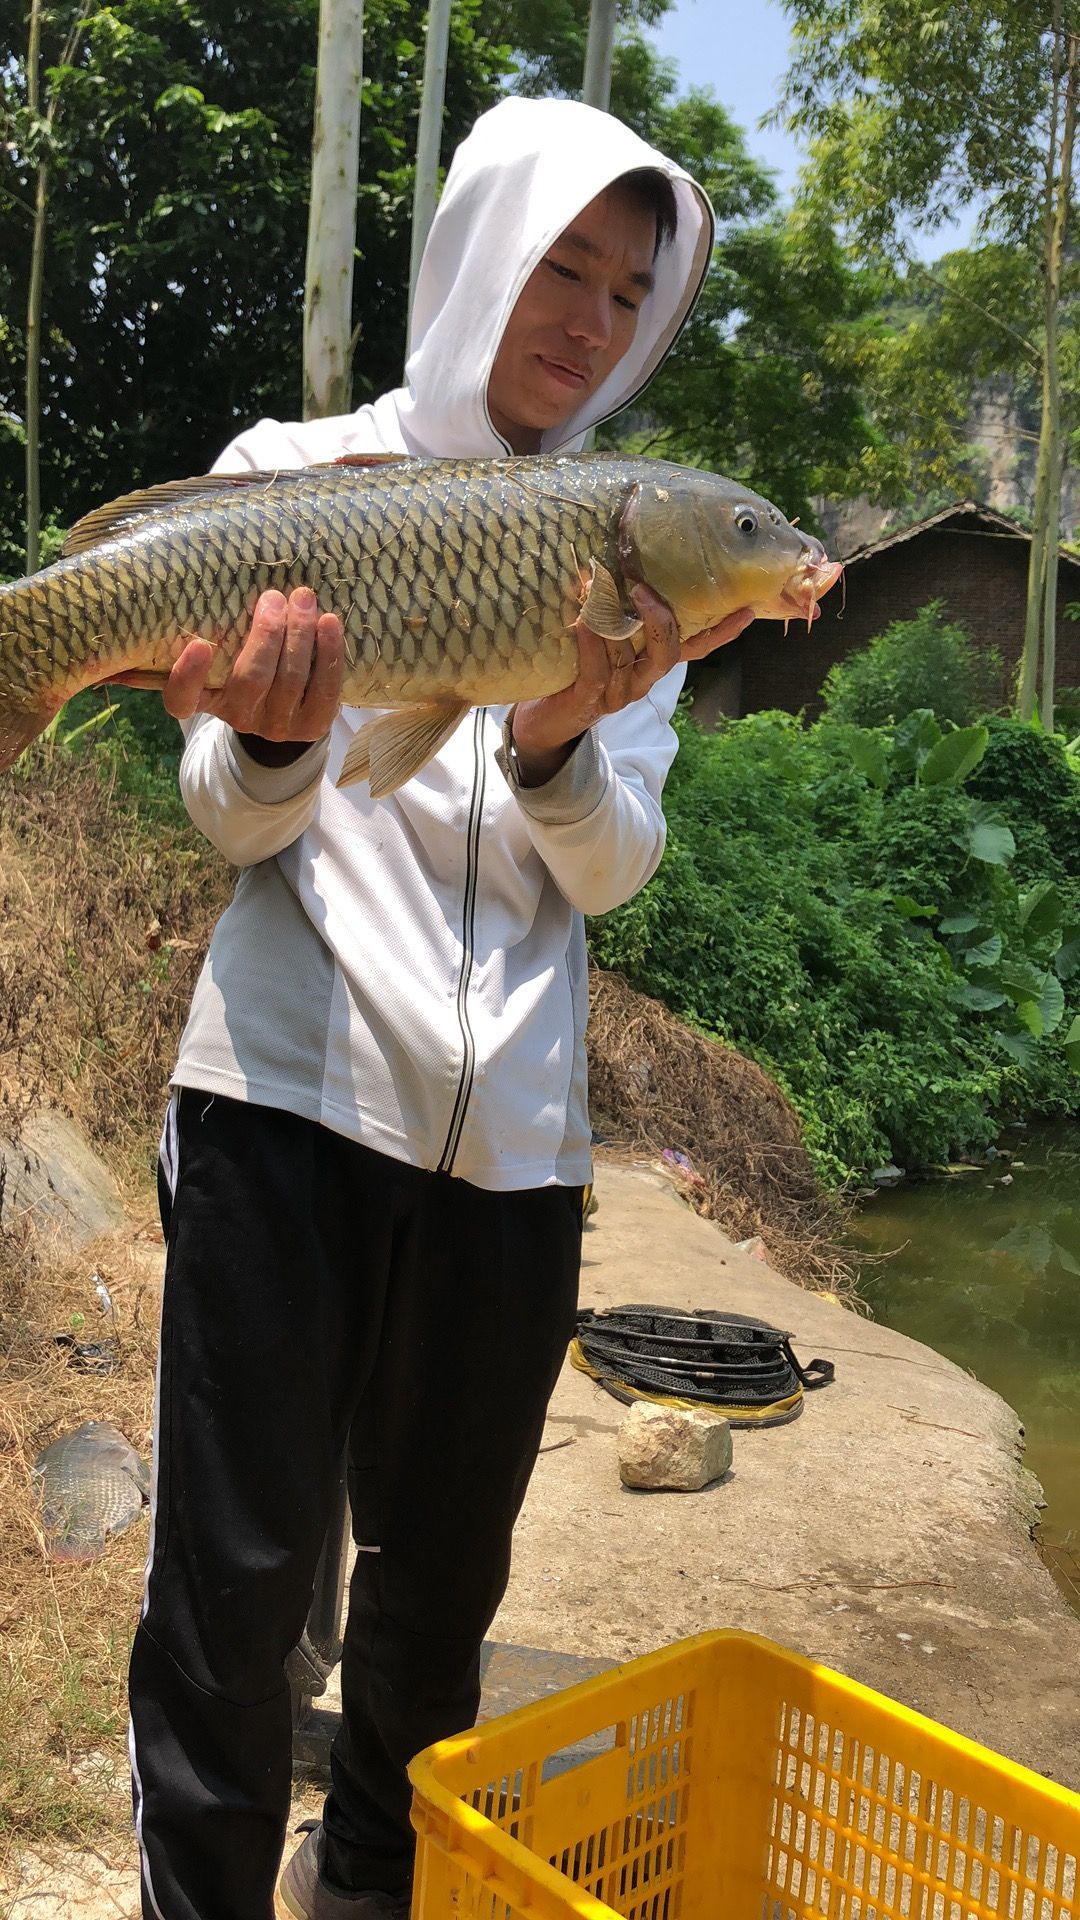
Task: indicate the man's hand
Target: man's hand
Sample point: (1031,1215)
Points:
(285,683)
(610,677)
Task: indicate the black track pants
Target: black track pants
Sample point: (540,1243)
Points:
(315,1293)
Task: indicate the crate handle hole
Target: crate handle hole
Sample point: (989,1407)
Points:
(579,1753)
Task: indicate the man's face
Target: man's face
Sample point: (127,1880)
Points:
(574,319)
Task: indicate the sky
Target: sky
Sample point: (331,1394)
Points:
(739,48)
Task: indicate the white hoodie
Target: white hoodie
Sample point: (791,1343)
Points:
(411,972)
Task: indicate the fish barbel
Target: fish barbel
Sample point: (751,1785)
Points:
(457,582)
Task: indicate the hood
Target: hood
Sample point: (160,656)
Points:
(523,174)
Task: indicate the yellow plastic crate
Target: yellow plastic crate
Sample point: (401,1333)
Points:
(725,1778)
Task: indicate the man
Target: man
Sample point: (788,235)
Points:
(372,1166)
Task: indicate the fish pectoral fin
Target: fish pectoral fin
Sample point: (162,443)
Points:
(388,751)
(602,609)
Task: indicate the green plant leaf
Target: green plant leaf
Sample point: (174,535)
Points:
(1071,1044)
(1021,980)
(954,757)
(1052,1003)
(909,909)
(987,839)
(1067,957)
(959,923)
(1040,909)
(986,952)
(1029,1013)
(914,739)
(1023,1049)
(869,757)
(980,999)
(173,96)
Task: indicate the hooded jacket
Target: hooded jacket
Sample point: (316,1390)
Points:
(411,972)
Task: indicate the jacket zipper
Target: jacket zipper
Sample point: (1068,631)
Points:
(468,938)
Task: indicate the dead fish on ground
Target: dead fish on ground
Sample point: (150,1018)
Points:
(91,1484)
(457,582)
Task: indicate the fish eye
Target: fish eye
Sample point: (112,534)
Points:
(746,520)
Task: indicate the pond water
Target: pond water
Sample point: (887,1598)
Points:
(990,1275)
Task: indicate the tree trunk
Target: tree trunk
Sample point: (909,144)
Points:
(328,339)
(1042,563)
(1057,446)
(428,136)
(33,307)
(599,52)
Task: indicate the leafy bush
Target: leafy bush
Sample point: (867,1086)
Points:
(1026,774)
(925,662)
(840,906)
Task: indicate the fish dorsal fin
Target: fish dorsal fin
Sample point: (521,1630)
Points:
(369,459)
(118,517)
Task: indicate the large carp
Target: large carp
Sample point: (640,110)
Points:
(457,582)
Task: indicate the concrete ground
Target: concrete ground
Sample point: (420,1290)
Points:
(886,1531)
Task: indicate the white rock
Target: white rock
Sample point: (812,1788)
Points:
(673,1447)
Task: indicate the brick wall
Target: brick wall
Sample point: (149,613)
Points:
(981,577)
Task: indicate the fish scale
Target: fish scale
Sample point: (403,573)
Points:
(457,583)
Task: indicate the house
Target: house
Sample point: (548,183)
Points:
(968,556)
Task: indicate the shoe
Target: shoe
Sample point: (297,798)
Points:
(305,1895)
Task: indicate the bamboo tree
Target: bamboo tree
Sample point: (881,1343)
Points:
(43,131)
(328,338)
(1055,461)
(1027,681)
(599,54)
(34,304)
(429,136)
(1040,618)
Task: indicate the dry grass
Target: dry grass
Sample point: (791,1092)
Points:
(655,1083)
(102,929)
(103,925)
(65,1629)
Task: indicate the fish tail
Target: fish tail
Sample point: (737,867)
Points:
(22,723)
(27,703)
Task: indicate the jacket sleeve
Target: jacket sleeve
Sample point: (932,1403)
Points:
(247,811)
(598,823)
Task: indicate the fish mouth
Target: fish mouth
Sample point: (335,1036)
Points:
(808,584)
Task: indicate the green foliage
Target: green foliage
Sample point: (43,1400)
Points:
(858,929)
(134,743)
(1026,775)
(929,662)
(917,111)
(766,384)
